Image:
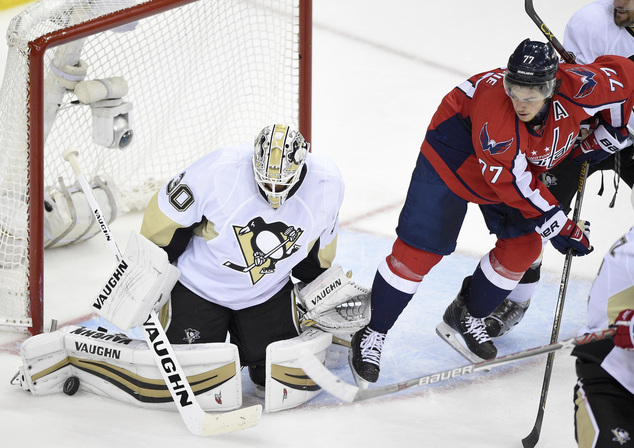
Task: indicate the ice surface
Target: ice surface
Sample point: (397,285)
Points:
(380,69)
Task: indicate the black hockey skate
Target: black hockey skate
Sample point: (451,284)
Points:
(504,318)
(474,342)
(365,356)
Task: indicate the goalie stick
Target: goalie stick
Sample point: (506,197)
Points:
(197,421)
(349,393)
(533,437)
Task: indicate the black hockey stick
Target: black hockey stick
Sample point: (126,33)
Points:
(531,439)
(530,10)
(349,393)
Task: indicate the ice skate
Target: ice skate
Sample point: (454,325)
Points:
(365,356)
(465,333)
(504,318)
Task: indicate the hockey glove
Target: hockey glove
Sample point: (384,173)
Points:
(624,336)
(601,144)
(564,234)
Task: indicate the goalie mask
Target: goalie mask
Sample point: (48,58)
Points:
(278,162)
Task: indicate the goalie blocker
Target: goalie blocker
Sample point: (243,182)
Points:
(141,282)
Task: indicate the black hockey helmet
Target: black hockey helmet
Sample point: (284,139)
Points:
(533,64)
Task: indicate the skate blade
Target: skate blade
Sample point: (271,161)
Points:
(360,382)
(450,336)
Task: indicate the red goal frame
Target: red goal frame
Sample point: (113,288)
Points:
(35,119)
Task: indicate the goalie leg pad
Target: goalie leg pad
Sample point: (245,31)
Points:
(45,365)
(116,366)
(287,386)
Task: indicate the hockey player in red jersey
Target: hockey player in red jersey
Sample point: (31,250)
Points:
(598,28)
(487,143)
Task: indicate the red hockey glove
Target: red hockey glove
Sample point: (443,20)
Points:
(601,144)
(564,234)
(624,336)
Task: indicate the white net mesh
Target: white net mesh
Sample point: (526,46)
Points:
(203,75)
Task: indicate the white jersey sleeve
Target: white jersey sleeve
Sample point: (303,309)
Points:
(591,32)
(612,292)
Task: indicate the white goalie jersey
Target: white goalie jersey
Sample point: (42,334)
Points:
(611,293)
(242,251)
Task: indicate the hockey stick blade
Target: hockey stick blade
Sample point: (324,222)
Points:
(530,441)
(226,422)
(349,393)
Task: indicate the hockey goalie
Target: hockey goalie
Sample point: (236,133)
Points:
(230,250)
(331,308)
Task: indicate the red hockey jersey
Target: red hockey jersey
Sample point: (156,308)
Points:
(486,155)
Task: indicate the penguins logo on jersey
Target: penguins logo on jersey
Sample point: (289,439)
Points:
(263,245)
(549,179)
(621,436)
(587,78)
(491,145)
(191,335)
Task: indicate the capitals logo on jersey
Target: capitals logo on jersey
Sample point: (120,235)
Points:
(263,245)
(587,80)
(491,145)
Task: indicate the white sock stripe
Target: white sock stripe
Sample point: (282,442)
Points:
(523,292)
(494,277)
(403,285)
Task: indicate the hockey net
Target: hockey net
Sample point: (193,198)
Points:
(199,75)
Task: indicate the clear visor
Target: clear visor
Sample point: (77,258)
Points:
(526,93)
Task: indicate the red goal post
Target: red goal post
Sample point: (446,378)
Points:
(199,74)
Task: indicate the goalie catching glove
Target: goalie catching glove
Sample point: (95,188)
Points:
(334,304)
(142,282)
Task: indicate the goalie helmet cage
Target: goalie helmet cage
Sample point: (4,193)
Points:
(200,74)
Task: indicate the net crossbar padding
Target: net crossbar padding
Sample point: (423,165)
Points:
(201,75)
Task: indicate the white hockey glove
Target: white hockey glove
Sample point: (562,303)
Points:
(333,303)
(142,282)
